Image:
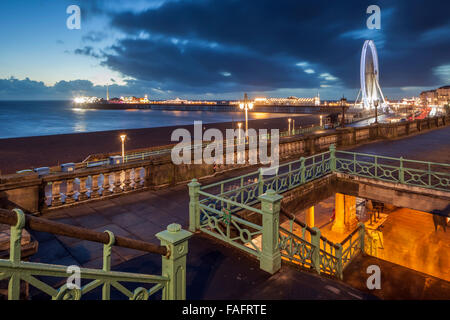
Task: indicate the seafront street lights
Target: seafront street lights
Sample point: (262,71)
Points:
(122,137)
(239,132)
(376,110)
(246,106)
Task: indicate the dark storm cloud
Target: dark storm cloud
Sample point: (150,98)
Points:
(200,66)
(230,44)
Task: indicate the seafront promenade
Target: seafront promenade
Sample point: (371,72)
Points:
(212,265)
(22,153)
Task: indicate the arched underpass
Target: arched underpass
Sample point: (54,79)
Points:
(408,235)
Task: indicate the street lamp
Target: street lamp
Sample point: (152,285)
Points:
(293,126)
(376,110)
(321,120)
(289,127)
(122,137)
(246,106)
(343,112)
(239,132)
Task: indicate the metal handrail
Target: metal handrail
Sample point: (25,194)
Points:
(391,158)
(44,225)
(234,203)
(304,225)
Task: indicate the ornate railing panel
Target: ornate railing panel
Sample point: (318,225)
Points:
(329,263)
(352,245)
(171,283)
(245,189)
(295,248)
(423,174)
(226,226)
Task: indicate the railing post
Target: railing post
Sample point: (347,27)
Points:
(339,264)
(260,182)
(302,170)
(107,248)
(362,233)
(315,245)
(194,208)
(15,254)
(174,264)
(401,172)
(332,157)
(270,259)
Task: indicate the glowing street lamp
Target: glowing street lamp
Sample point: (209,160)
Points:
(321,120)
(289,128)
(293,126)
(246,106)
(239,132)
(122,137)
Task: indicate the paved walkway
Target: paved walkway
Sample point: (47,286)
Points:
(215,272)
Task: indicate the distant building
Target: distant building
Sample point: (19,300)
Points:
(437,97)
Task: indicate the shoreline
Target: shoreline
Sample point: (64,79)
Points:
(39,151)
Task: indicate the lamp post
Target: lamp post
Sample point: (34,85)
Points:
(293,126)
(122,137)
(246,106)
(343,112)
(321,124)
(289,128)
(376,110)
(239,132)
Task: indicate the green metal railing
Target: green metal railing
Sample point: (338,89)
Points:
(213,204)
(245,190)
(231,229)
(172,281)
(310,249)
(423,174)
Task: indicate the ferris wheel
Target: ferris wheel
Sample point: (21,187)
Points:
(371,93)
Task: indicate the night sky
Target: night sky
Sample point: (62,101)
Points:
(218,49)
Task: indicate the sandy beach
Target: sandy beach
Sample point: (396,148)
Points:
(32,152)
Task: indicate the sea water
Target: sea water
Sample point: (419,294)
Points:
(38,118)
